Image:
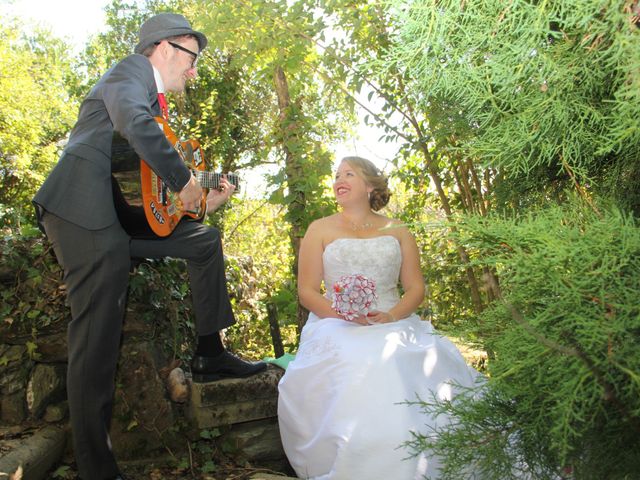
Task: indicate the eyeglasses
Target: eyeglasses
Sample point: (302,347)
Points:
(186,50)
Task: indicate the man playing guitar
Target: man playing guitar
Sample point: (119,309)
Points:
(75,208)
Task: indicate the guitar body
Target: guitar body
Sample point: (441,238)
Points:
(146,207)
(162,207)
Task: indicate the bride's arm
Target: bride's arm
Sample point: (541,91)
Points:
(310,272)
(410,276)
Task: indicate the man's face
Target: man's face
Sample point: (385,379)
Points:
(180,65)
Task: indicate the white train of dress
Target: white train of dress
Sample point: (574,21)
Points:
(342,402)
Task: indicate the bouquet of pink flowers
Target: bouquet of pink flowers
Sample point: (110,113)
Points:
(353,295)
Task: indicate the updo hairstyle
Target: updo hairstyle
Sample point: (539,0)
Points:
(380,195)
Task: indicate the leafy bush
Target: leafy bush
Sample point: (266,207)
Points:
(260,271)
(563,390)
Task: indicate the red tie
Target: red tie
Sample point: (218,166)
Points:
(163,106)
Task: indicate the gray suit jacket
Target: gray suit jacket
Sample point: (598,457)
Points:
(79,187)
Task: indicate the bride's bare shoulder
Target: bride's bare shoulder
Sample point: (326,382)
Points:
(323,223)
(388,222)
(324,230)
(322,227)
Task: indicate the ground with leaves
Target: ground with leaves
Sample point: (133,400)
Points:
(218,466)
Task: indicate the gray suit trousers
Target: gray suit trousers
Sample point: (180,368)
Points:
(96,267)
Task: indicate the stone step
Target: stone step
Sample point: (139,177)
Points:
(245,409)
(235,400)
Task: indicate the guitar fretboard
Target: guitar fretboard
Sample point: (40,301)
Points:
(212,180)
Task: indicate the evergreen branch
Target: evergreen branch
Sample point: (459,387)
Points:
(609,389)
(579,188)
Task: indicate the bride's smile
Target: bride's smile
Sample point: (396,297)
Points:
(341,190)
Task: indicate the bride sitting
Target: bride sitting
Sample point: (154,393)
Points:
(342,407)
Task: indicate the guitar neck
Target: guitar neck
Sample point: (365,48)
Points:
(212,180)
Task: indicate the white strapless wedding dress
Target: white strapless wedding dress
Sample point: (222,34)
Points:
(342,404)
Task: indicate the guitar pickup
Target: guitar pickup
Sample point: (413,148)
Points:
(164,197)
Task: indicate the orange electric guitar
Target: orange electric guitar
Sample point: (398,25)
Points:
(146,207)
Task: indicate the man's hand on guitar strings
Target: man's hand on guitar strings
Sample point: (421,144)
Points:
(219,196)
(191,195)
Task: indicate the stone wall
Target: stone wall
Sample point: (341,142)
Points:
(146,423)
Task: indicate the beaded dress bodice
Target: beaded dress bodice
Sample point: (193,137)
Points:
(378,259)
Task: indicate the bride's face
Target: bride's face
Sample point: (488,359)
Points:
(349,184)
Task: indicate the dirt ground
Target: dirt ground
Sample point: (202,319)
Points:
(219,466)
(152,470)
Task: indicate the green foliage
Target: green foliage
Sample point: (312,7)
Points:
(222,109)
(206,455)
(63,472)
(260,38)
(259,254)
(32,300)
(529,85)
(37,112)
(564,388)
(159,296)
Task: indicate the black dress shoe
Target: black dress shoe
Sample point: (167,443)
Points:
(225,365)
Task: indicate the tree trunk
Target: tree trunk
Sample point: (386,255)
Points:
(294,174)
(446,206)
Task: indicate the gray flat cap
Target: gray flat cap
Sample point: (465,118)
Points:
(165,25)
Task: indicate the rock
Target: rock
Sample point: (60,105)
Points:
(15,366)
(46,386)
(142,413)
(53,348)
(13,408)
(259,443)
(177,385)
(247,408)
(56,413)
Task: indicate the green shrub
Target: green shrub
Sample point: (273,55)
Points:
(563,390)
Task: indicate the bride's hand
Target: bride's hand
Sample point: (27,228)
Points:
(361,320)
(376,316)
